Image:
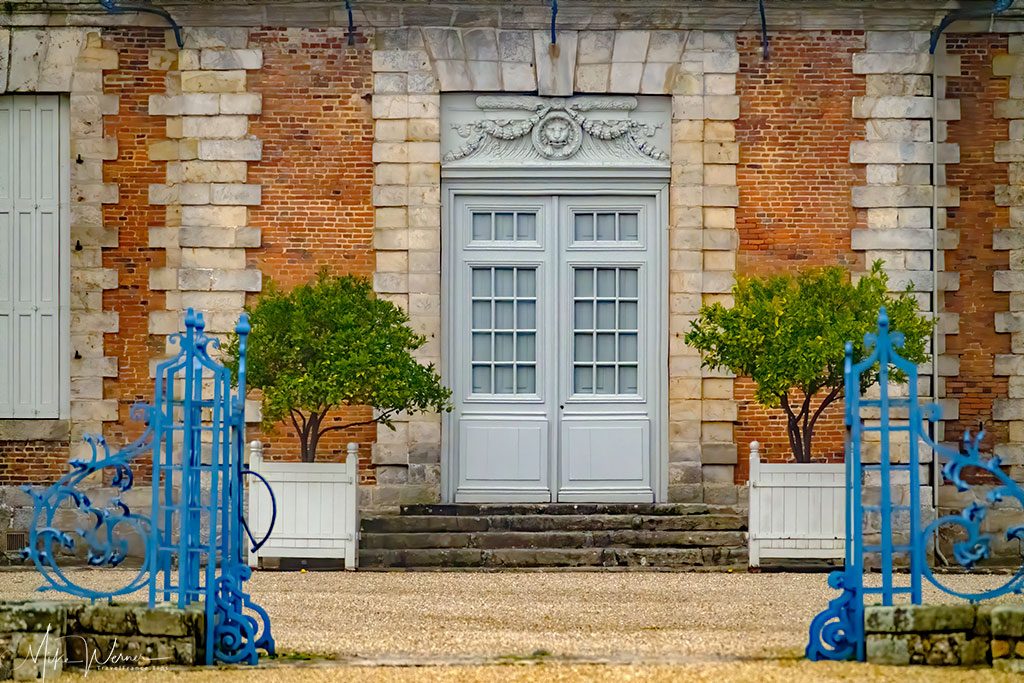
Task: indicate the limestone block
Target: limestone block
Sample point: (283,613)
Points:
(664,46)
(687,107)
(386,61)
(630,46)
(1009,151)
(1009,109)
(898,84)
(721,62)
(212,127)
(163,60)
(104,149)
(214,216)
(722,107)
(593,78)
(898,41)
(213,81)
(23,63)
(443,43)
(518,77)
(94,105)
(721,195)
(390,195)
(226,60)
(390,106)
(595,47)
(62,56)
(901,153)
(214,171)
(230,150)
(195,38)
(212,279)
(206,257)
(866,196)
(480,44)
(424,130)
(1007,239)
(720,84)
(195,236)
(1008,281)
(81,81)
(391,83)
(99,411)
(236,193)
(901,239)
(1009,195)
(483,76)
(556,64)
(5,52)
(892,63)
(892,107)
(199,104)
(625,77)
(452,75)
(1008,409)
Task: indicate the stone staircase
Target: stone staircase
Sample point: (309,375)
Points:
(668,537)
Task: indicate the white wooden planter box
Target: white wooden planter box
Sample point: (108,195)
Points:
(317,508)
(797,510)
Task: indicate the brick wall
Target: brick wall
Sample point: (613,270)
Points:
(794,175)
(132,217)
(317,178)
(977,217)
(32,462)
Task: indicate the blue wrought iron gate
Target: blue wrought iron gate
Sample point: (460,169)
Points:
(192,544)
(837,633)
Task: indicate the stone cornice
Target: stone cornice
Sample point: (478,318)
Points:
(530,14)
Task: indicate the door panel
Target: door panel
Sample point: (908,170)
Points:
(555,320)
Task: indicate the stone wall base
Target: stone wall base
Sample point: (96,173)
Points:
(39,639)
(946,635)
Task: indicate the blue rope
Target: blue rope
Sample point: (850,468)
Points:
(554,14)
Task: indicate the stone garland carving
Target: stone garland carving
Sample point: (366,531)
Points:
(556,126)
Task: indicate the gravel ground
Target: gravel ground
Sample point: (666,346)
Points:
(536,626)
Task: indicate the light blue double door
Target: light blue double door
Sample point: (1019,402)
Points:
(554,307)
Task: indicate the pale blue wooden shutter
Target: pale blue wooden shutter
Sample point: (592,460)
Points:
(30,246)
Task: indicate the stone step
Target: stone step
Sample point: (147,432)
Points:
(492,509)
(718,558)
(618,538)
(564,522)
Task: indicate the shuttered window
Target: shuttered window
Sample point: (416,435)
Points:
(32,362)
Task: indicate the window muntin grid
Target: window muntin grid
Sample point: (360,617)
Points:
(504,226)
(504,330)
(606,226)
(606,331)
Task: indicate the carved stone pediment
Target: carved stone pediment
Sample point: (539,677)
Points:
(525,130)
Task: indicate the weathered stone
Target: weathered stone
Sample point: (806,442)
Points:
(892,63)
(5,52)
(918,618)
(215,126)
(236,38)
(230,150)
(556,64)
(213,81)
(231,59)
(33,616)
(103,618)
(1008,621)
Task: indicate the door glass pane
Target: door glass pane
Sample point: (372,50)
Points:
(606,227)
(504,339)
(503,383)
(605,332)
(481,379)
(482,226)
(628,230)
(526,227)
(503,227)
(584,227)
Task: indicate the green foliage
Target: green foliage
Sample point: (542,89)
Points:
(332,343)
(788,334)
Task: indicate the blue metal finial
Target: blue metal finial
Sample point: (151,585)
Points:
(243,327)
(883,319)
(190,318)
